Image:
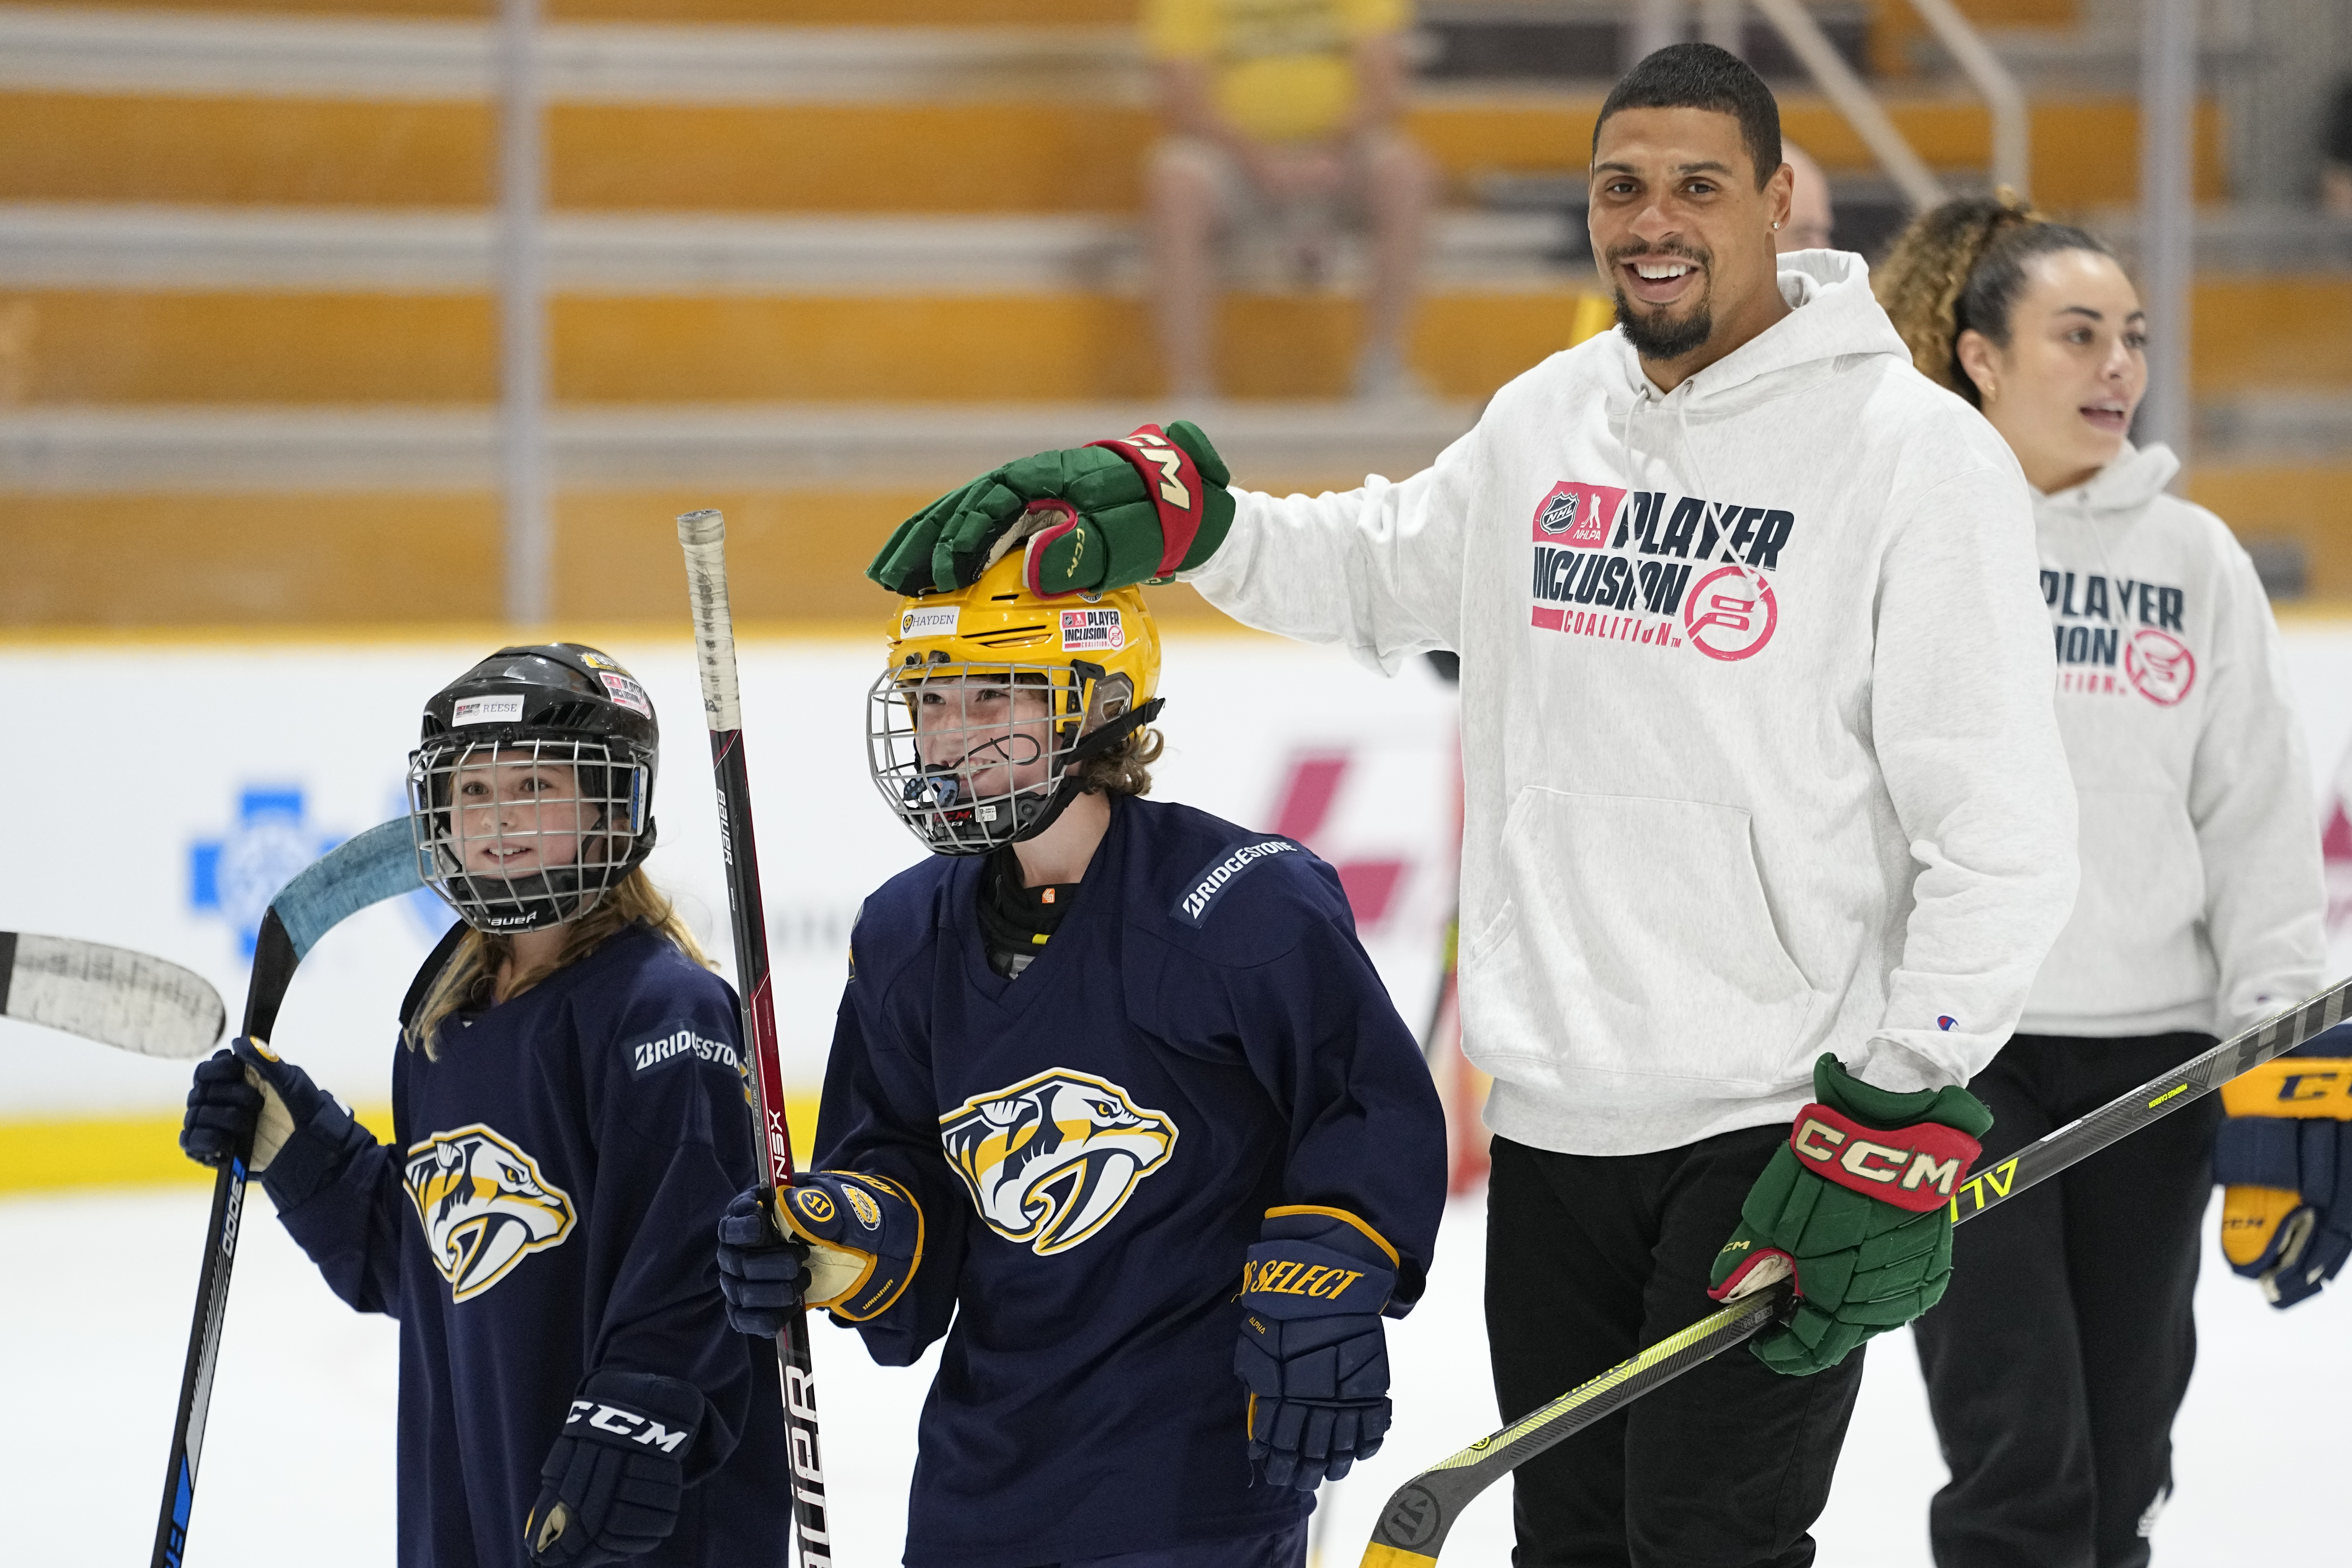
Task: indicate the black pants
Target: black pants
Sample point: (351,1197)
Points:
(1589,1259)
(2057,1359)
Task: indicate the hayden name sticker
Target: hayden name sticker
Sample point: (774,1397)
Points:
(626,692)
(1100,630)
(935,621)
(488,709)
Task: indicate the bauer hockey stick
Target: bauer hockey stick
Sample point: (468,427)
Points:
(1413,1526)
(703,535)
(109,994)
(379,864)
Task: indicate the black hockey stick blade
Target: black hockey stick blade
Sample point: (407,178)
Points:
(377,865)
(1413,1526)
(129,1000)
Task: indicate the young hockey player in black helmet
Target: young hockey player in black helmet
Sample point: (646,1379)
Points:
(1100,1062)
(568,1121)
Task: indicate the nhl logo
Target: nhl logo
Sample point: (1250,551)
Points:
(1575,515)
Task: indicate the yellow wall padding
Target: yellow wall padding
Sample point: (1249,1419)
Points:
(110,346)
(141,1151)
(1008,156)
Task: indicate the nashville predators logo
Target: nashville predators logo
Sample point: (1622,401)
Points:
(1051,1159)
(483,1204)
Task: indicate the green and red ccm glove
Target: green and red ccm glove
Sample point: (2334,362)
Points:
(2283,1157)
(1093,517)
(1857,1204)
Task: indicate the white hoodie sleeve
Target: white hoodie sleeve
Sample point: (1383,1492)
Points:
(2250,800)
(1969,745)
(1378,570)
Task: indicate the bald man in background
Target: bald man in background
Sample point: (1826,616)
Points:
(1809,224)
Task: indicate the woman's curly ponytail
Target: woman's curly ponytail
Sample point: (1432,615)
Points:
(1923,282)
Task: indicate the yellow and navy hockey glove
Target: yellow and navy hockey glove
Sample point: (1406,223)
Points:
(1857,1203)
(1312,1351)
(1093,517)
(2283,1157)
(852,1243)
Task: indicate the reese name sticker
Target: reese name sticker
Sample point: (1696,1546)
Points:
(937,622)
(1101,630)
(503,710)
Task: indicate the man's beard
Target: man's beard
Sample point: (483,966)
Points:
(1656,337)
(1664,340)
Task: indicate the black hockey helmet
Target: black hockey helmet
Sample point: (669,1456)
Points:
(542,758)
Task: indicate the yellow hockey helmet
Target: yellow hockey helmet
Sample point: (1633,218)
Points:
(992,697)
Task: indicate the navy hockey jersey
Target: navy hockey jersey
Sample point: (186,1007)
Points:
(1095,1146)
(546,1209)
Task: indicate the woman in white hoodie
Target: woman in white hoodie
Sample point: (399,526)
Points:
(2061,1352)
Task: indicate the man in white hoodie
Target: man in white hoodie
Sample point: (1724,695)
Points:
(1767,812)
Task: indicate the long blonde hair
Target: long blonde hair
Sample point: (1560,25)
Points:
(471,975)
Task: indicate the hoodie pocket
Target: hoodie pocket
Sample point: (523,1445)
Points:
(2133,942)
(1635,940)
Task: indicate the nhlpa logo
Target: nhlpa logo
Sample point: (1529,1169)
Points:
(484,1206)
(1051,1159)
(236,875)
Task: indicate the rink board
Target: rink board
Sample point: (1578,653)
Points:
(171,788)
(175,785)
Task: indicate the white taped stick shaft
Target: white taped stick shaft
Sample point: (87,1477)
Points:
(703,534)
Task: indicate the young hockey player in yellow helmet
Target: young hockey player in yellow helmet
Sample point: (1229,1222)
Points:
(1101,1060)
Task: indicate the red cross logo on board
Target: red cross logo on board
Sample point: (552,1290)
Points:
(1304,801)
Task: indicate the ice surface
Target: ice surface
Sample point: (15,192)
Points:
(298,1463)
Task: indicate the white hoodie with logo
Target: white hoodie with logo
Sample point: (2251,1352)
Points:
(1756,727)
(2202,901)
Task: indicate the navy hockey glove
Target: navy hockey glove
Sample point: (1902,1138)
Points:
(854,1241)
(301,1136)
(1095,517)
(763,1277)
(1312,1351)
(2283,1157)
(611,1484)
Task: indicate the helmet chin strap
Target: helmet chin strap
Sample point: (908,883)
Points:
(544,898)
(1090,746)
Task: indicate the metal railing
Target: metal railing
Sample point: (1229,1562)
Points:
(1657,22)
(1854,99)
(2012,156)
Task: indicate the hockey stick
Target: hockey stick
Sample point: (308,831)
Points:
(379,864)
(703,534)
(1413,1526)
(109,994)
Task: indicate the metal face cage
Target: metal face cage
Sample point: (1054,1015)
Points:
(970,756)
(520,833)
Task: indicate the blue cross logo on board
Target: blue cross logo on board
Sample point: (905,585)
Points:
(236,875)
